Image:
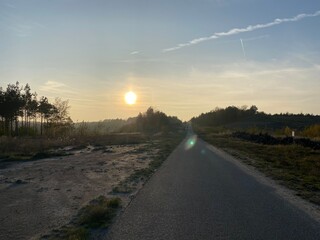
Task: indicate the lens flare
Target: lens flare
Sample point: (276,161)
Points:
(190,142)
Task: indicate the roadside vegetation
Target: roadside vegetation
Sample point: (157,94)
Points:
(97,216)
(292,161)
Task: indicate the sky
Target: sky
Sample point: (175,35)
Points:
(182,57)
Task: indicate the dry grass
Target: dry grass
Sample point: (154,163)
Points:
(98,214)
(31,148)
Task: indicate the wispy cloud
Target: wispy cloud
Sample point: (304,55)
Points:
(19,25)
(249,28)
(56,87)
(134,52)
(144,60)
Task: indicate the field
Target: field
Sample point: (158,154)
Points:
(63,189)
(294,166)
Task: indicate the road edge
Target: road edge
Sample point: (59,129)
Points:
(309,208)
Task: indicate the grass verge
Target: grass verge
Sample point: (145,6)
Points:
(294,166)
(96,216)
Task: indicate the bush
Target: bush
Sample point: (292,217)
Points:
(270,140)
(99,212)
(77,234)
(312,131)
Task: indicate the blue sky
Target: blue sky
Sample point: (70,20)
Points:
(92,52)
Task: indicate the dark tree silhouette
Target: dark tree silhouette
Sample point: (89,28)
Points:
(152,122)
(45,110)
(11,107)
(19,103)
(234,117)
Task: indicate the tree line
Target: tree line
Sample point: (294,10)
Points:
(23,113)
(221,116)
(152,121)
(244,117)
(104,127)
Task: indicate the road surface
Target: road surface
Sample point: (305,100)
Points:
(197,194)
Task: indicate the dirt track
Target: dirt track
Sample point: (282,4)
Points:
(38,196)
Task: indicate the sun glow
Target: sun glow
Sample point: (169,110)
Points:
(130,98)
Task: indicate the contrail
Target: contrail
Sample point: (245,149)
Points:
(249,28)
(244,52)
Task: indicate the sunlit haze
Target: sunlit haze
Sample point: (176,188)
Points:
(182,57)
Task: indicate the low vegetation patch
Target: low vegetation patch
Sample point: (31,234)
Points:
(295,166)
(265,138)
(7,160)
(35,148)
(97,215)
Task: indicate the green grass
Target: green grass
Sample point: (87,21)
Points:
(294,166)
(98,214)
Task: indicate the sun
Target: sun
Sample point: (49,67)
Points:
(130,98)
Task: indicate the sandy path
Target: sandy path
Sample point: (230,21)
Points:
(38,196)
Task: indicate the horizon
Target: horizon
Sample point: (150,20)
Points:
(197,56)
(239,107)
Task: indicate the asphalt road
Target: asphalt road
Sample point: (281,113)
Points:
(197,194)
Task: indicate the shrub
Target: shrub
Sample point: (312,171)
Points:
(99,212)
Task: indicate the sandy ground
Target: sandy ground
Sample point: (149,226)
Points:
(38,196)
